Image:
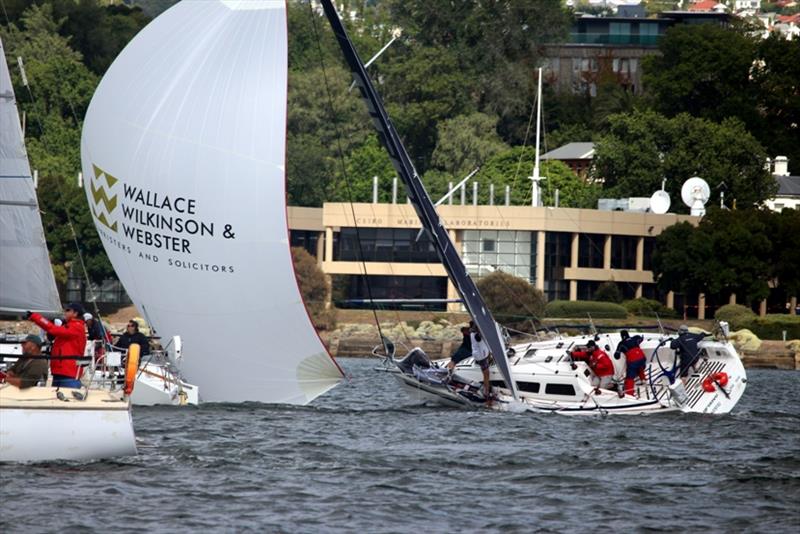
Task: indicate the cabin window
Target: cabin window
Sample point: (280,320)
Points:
(530,387)
(560,389)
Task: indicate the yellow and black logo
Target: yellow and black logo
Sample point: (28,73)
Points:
(105,199)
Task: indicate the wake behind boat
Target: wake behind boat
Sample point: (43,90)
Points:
(549,379)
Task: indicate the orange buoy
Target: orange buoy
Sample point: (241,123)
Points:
(131,368)
(708,384)
(721,379)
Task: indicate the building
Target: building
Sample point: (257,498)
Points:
(565,252)
(612,48)
(788,195)
(577,156)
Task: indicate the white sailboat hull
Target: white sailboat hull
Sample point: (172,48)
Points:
(547,382)
(36,426)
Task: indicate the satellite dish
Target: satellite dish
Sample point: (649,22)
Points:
(659,202)
(695,193)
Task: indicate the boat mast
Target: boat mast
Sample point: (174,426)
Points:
(421,201)
(535,178)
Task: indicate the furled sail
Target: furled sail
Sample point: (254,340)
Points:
(183,153)
(419,198)
(26,277)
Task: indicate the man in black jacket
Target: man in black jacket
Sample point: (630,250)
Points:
(132,335)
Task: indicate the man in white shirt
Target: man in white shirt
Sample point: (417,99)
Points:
(480,353)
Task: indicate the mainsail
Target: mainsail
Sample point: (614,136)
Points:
(421,201)
(26,277)
(183,153)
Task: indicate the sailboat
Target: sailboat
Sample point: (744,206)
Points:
(539,376)
(183,156)
(43,423)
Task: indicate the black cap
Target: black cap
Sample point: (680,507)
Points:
(34,339)
(624,334)
(76,307)
(591,343)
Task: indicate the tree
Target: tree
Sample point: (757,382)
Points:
(729,252)
(313,288)
(513,301)
(512,167)
(703,70)
(466,142)
(362,164)
(776,74)
(61,86)
(608,292)
(643,148)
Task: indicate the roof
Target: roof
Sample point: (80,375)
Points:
(788,186)
(706,5)
(572,151)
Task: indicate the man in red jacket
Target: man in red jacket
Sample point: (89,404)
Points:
(70,340)
(599,362)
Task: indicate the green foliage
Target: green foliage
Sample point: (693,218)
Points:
(313,288)
(729,252)
(773,326)
(776,73)
(512,167)
(608,292)
(735,314)
(703,70)
(584,309)
(368,160)
(466,142)
(648,308)
(643,148)
(513,301)
(61,87)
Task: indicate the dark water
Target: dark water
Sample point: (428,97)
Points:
(362,459)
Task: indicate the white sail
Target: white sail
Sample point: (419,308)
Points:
(26,277)
(183,154)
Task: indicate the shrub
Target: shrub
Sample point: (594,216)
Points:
(585,308)
(736,315)
(512,300)
(772,326)
(313,288)
(648,308)
(608,292)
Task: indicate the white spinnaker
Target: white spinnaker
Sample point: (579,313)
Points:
(193,115)
(26,277)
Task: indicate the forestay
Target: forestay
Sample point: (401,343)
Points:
(26,277)
(183,155)
(421,201)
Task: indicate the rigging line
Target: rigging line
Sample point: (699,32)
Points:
(60,184)
(344,171)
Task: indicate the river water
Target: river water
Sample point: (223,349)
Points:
(364,459)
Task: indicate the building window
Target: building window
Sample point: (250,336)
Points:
(486,251)
(306,239)
(590,250)
(649,248)
(623,252)
(558,249)
(384,245)
(394,288)
(587,289)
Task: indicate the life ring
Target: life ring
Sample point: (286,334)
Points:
(711,382)
(131,368)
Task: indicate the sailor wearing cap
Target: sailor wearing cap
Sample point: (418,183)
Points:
(28,370)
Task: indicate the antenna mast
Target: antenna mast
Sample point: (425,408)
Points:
(535,178)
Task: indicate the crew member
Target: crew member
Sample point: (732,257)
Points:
(131,336)
(28,370)
(480,353)
(70,340)
(464,351)
(635,360)
(598,362)
(686,349)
